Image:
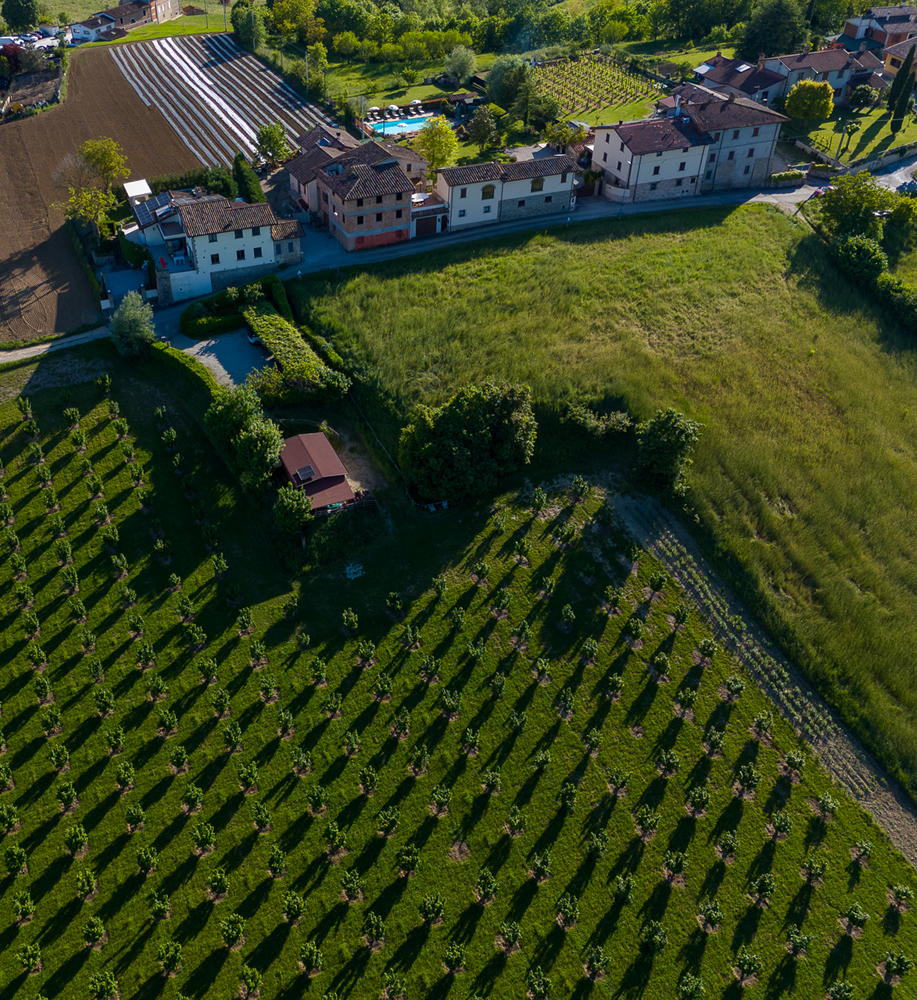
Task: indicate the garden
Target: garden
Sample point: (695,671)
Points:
(507,757)
(870,136)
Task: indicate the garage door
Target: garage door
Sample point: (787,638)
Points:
(427,227)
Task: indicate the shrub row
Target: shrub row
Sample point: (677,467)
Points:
(217,180)
(77,244)
(300,365)
(900,299)
(788,175)
(191,367)
(199,327)
(247,180)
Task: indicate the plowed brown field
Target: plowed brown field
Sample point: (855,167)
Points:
(42,287)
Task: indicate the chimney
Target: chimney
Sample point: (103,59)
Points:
(761,58)
(730,98)
(718,53)
(678,105)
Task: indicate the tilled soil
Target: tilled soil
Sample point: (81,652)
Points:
(43,289)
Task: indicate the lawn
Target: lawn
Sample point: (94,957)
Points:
(197,25)
(802,388)
(547,750)
(875,135)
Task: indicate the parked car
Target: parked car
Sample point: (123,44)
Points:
(253,338)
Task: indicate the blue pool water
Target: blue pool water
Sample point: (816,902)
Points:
(399,125)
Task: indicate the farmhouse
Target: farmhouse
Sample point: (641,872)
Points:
(741,79)
(320,146)
(113,22)
(701,141)
(310,463)
(840,68)
(203,242)
(879,27)
(896,54)
(483,193)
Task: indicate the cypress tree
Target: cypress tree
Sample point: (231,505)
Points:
(894,91)
(904,74)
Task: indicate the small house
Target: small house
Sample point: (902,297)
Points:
(310,463)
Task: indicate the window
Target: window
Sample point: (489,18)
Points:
(563,178)
(212,238)
(682,165)
(604,157)
(708,175)
(712,158)
(278,247)
(214,258)
(659,153)
(755,132)
(608,137)
(378,216)
(378,199)
(487,191)
(619,165)
(716,136)
(537,183)
(257,252)
(684,149)
(256,230)
(751,153)
(238,234)
(763,98)
(359,202)
(549,199)
(735,134)
(653,186)
(622,147)
(896,63)
(679,182)
(487,209)
(461,213)
(463,193)
(747,170)
(399,196)
(732,155)
(408,168)
(655,170)
(240,255)
(520,204)
(359,220)
(289,248)
(693,180)
(399,212)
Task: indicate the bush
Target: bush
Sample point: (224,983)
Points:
(900,299)
(860,258)
(788,175)
(132,329)
(664,445)
(292,510)
(189,366)
(597,425)
(247,180)
(217,180)
(198,326)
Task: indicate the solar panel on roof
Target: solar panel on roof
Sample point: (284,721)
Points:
(307,472)
(144,211)
(744,68)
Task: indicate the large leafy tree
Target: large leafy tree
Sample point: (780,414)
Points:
(664,446)
(461,64)
(776,27)
(90,205)
(437,141)
(292,510)
(20,15)
(482,130)
(464,446)
(505,78)
(810,99)
(851,207)
(257,450)
(272,143)
(231,410)
(132,328)
(106,160)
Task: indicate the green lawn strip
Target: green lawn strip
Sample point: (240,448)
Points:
(192,25)
(802,388)
(405,559)
(874,137)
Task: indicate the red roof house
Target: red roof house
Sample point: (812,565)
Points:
(312,465)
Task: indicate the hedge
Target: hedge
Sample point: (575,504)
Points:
(273,286)
(191,367)
(788,175)
(247,179)
(80,252)
(322,347)
(298,362)
(201,327)
(899,298)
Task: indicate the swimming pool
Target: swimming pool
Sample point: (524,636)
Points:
(398,125)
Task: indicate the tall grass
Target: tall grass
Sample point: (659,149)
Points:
(804,478)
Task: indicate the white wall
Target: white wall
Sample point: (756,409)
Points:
(188,284)
(226,246)
(669,166)
(517,190)
(473,205)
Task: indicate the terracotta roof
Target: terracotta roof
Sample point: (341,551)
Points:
(368,180)
(327,137)
(94,22)
(657,135)
(545,166)
(738,113)
(199,218)
(287,229)
(900,10)
(473,173)
(461,98)
(901,49)
(748,78)
(312,465)
(122,10)
(869,60)
(305,166)
(823,61)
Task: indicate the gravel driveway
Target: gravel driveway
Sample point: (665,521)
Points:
(229,356)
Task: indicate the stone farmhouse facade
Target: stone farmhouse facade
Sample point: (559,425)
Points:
(115,21)
(483,193)
(699,142)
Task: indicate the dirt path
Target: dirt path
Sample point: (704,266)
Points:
(840,752)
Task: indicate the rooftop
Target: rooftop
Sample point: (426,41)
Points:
(475,173)
(749,78)
(901,49)
(658,135)
(822,61)
(312,465)
(219,215)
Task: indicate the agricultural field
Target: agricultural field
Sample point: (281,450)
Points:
(43,290)
(801,385)
(597,90)
(509,757)
(213,94)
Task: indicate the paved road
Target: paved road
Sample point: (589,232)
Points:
(24,353)
(899,173)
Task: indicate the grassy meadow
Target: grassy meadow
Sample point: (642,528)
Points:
(483,711)
(804,477)
(874,137)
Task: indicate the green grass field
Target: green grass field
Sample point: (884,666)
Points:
(642,739)
(875,135)
(197,25)
(737,317)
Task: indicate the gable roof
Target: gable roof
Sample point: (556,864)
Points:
(476,173)
(286,229)
(327,137)
(900,10)
(312,465)
(368,180)
(219,215)
(305,166)
(472,173)
(746,77)
(131,7)
(822,61)
(657,135)
(711,116)
(901,49)
(96,22)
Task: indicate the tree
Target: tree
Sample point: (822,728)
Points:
(90,204)
(852,206)
(248,24)
(132,327)
(345,44)
(73,172)
(461,64)
(504,79)
(664,444)
(482,129)
(894,91)
(106,160)
(292,510)
(863,96)
(437,141)
(318,66)
(533,107)
(861,258)
(775,26)
(903,100)
(287,17)
(272,144)
(230,411)
(20,15)
(257,450)
(810,99)
(464,446)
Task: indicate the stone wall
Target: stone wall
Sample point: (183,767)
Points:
(664,189)
(534,206)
